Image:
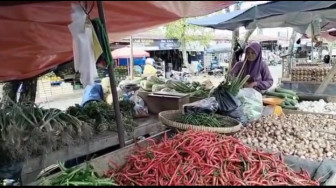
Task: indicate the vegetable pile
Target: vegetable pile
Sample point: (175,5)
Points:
(204,158)
(201,119)
(100,115)
(317,107)
(290,97)
(28,131)
(311,72)
(195,89)
(78,176)
(307,136)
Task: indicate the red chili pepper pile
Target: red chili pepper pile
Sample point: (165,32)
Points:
(204,158)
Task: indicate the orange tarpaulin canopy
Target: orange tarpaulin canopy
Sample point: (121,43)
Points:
(34,37)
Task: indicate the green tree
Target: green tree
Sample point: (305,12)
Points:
(187,33)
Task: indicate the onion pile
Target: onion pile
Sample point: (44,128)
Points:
(317,106)
(303,135)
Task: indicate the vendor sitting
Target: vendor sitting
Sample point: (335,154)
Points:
(149,69)
(260,76)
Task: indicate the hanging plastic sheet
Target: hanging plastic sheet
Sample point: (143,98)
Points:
(83,47)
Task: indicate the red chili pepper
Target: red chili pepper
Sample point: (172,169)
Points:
(204,158)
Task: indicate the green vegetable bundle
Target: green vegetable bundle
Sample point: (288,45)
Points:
(78,176)
(195,89)
(29,131)
(200,119)
(101,116)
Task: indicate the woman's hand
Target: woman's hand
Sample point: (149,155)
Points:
(251,85)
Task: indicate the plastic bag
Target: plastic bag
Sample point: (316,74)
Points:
(92,93)
(227,102)
(140,108)
(208,105)
(83,46)
(229,105)
(252,104)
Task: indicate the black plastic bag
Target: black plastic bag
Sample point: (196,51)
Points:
(208,106)
(229,105)
(236,114)
(227,102)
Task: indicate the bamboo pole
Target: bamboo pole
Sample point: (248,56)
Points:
(120,126)
(131,59)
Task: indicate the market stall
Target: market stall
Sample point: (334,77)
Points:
(119,170)
(85,133)
(307,17)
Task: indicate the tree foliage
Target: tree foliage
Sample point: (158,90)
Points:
(189,33)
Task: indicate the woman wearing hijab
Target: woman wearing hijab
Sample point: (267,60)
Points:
(260,76)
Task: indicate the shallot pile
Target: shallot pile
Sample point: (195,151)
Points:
(204,158)
(307,136)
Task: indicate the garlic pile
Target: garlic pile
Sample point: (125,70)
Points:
(317,106)
(293,134)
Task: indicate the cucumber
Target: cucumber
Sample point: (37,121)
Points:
(292,102)
(289,107)
(286,103)
(286,91)
(275,94)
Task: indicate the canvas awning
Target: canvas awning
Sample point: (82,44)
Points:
(35,37)
(271,14)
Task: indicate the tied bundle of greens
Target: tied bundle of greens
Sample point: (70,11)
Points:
(29,131)
(234,84)
(78,176)
(101,116)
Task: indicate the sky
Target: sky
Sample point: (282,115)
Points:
(272,32)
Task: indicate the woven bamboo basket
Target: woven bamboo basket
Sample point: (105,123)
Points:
(168,118)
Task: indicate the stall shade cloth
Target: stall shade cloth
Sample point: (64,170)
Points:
(126,53)
(301,22)
(35,38)
(254,14)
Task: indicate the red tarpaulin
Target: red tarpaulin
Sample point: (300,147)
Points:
(126,53)
(35,37)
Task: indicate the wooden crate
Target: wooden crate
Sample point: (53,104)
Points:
(100,164)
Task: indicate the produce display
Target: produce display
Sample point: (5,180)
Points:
(195,89)
(101,116)
(148,84)
(233,84)
(307,136)
(310,73)
(78,176)
(203,158)
(317,107)
(290,97)
(200,119)
(28,131)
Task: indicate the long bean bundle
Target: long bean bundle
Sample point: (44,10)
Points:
(201,119)
(78,176)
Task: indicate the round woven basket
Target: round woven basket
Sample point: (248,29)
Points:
(168,118)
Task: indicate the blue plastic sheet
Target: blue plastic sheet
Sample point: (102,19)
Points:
(92,93)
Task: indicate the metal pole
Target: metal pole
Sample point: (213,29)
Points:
(120,126)
(132,59)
